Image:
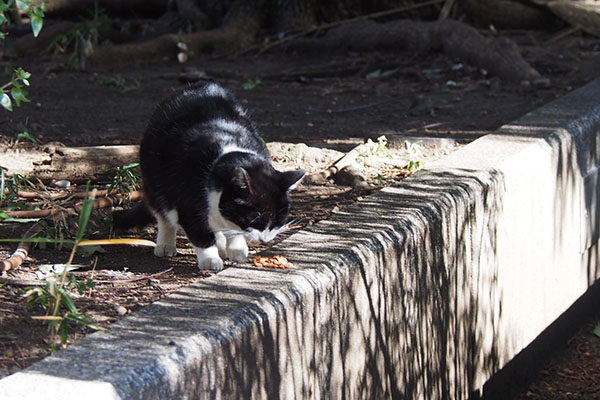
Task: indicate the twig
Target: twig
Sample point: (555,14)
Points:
(563,34)
(336,24)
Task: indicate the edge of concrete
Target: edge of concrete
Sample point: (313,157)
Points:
(422,290)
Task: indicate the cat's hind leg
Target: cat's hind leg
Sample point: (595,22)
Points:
(167,234)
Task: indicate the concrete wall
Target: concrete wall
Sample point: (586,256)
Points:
(422,290)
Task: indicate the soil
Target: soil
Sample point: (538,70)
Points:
(335,102)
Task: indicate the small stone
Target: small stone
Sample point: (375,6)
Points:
(182,57)
(364,185)
(349,176)
(121,310)
(62,183)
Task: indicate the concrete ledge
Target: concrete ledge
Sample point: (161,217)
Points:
(423,290)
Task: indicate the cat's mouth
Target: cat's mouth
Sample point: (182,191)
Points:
(257,236)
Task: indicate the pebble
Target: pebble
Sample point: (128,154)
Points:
(349,176)
(121,310)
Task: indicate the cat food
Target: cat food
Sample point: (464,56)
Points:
(271,262)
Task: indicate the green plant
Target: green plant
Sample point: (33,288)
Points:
(26,137)
(380,147)
(414,165)
(415,155)
(80,40)
(53,293)
(33,9)
(251,84)
(54,296)
(14,91)
(9,190)
(126,179)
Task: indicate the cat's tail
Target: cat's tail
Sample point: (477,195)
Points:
(135,217)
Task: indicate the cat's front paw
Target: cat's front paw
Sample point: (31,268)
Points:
(208,258)
(215,264)
(237,249)
(165,250)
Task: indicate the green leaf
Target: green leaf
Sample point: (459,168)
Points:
(19,95)
(84,216)
(251,84)
(6,102)
(64,331)
(19,220)
(597,330)
(38,11)
(67,300)
(131,165)
(23,5)
(37,23)
(5,6)
(26,136)
(23,75)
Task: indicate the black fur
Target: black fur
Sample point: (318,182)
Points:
(182,162)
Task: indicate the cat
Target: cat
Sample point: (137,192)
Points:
(206,169)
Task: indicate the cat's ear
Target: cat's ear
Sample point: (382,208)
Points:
(241,178)
(291,179)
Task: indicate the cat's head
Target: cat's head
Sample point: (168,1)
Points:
(253,197)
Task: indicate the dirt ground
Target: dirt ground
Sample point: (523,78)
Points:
(335,101)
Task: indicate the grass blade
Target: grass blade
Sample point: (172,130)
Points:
(86,212)
(38,240)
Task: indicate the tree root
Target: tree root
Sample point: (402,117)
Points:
(499,56)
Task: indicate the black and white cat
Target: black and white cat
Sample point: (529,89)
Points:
(206,170)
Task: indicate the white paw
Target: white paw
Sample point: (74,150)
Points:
(208,258)
(165,250)
(215,264)
(237,249)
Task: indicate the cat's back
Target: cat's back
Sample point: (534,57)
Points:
(198,109)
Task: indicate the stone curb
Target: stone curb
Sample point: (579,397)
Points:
(422,290)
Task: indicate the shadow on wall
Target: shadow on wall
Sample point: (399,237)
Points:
(387,300)
(391,305)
